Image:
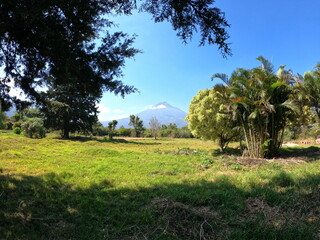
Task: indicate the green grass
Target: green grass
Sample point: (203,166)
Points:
(153,189)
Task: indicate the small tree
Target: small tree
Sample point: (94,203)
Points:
(33,128)
(137,124)
(208,117)
(111,127)
(154,127)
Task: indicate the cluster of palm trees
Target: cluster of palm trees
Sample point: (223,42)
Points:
(263,101)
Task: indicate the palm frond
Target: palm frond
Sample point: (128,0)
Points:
(266,65)
(222,76)
(291,105)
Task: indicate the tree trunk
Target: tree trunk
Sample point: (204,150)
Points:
(65,133)
(110,136)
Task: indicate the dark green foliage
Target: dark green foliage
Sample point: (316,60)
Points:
(16,124)
(16,117)
(31,113)
(34,128)
(9,125)
(169,131)
(3,118)
(137,125)
(311,88)
(123,132)
(17,130)
(56,42)
(111,127)
(69,110)
(188,17)
(99,130)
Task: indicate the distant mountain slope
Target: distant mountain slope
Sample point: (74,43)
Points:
(164,112)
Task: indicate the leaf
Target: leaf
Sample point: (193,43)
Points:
(254,114)
(290,104)
(266,65)
(276,84)
(222,76)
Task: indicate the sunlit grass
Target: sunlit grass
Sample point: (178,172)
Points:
(152,189)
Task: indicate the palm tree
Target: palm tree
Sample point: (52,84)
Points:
(261,103)
(311,88)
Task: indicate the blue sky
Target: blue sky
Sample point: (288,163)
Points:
(286,32)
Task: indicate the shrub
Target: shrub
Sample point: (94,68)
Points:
(123,132)
(17,130)
(33,128)
(9,125)
(184,132)
(16,124)
(99,130)
(147,133)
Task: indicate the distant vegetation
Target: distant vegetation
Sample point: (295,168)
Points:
(31,122)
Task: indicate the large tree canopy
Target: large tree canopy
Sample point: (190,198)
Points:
(56,41)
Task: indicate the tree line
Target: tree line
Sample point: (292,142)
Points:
(32,123)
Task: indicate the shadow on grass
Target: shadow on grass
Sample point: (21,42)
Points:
(48,207)
(228,151)
(311,153)
(116,140)
(119,140)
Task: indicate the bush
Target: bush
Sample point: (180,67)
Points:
(9,125)
(184,132)
(123,132)
(17,130)
(16,124)
(147,133)
(99,130)
(33,128)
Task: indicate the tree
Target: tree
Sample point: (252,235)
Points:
(3,118)
(209,119)
(137,124)
(33,128)
(154,127)
(111,127)
(311,89)
(69,42)
(69,110)
(262,102)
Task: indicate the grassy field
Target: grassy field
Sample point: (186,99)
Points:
(154,189)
